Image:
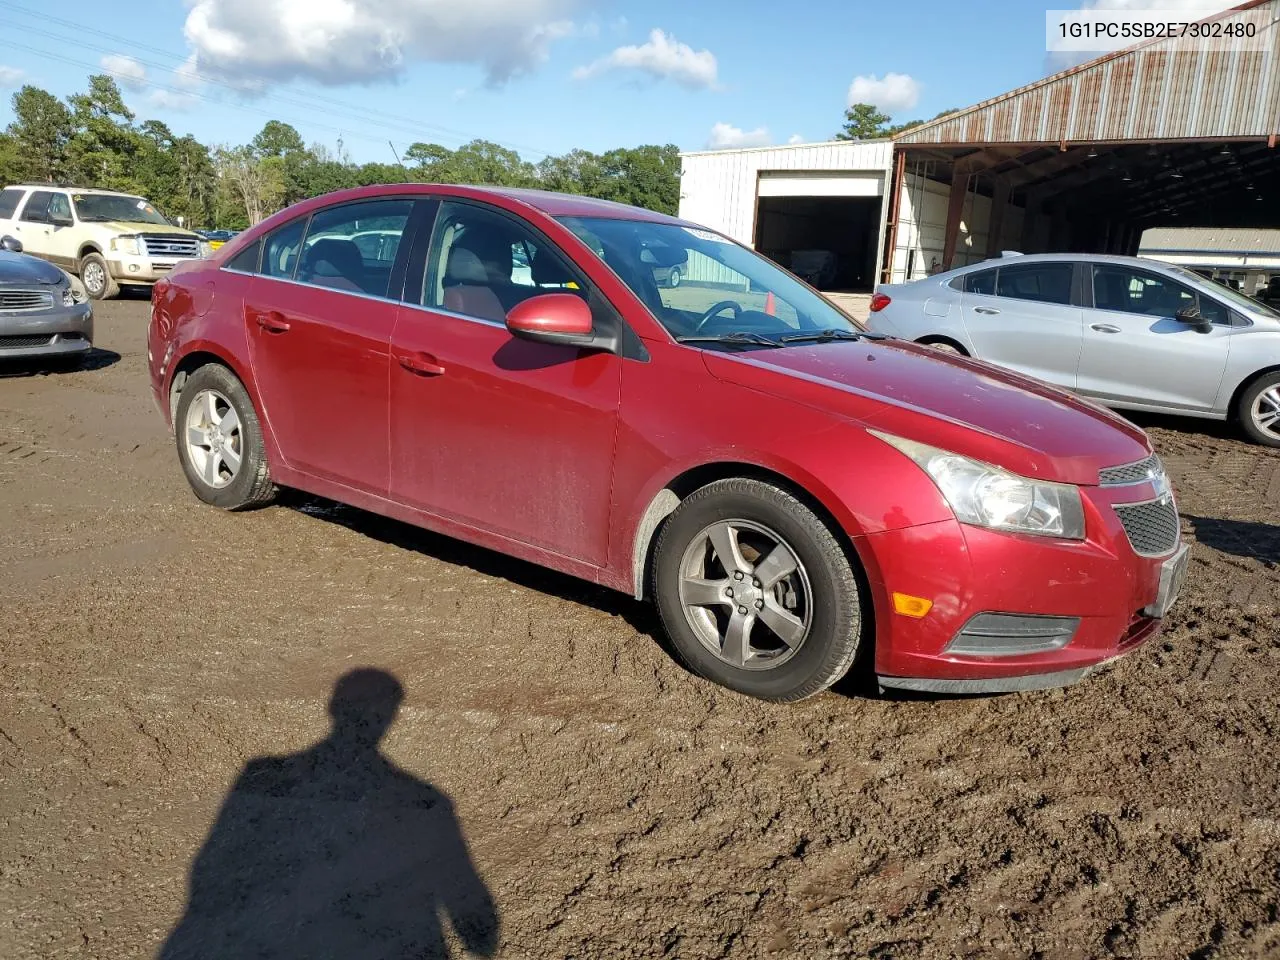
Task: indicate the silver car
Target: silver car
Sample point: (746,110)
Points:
(44,311)
(1130,333)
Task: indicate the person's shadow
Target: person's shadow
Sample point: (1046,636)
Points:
(335,852)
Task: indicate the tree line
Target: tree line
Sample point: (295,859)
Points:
(93,139)
(863,121)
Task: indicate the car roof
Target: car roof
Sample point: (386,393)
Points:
(70,189)
(1058,257)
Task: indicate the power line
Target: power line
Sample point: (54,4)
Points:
(397,122)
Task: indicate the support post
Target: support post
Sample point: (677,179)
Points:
(995,230)
(955,209)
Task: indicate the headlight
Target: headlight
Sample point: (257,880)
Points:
(68,298)
(987,496)
(206,248)
(126,245)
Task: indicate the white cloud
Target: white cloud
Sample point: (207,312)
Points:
(163,99)
(892,93)
(663,57)
(10,76)
(129,72)
(795,138)
(256,42)
(725,136)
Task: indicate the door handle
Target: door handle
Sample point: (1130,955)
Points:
(420,363)
(1104,327)
(273,322)
(987,310)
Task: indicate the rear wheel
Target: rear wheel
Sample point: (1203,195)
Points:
(220,441)
(756,593)
(96,277)
(673,279)
(1259,410)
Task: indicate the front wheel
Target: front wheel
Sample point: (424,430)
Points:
(1259,410)
(673,279)
(96,278)
(756,593)
(220,441)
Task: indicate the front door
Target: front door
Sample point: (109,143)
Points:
(501,434)
(1135,351)
(1024,316)
(318,318)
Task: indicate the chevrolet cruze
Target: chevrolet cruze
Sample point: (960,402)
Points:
(794,493)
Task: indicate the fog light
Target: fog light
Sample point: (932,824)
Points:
(1011,635)
(909,606)
(133,268)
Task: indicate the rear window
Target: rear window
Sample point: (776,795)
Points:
(9,203)
(1043,282)
(984,281)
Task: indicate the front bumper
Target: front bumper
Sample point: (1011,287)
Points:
(44,333)
(142,269)
(1101,585)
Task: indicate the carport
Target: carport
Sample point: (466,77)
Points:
(1160,134)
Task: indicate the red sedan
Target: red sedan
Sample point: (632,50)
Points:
(793,492)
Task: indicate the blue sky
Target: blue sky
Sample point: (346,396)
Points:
(542,76)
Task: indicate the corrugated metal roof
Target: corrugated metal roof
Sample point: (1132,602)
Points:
(836,147)
(1209,240)
(1157,90)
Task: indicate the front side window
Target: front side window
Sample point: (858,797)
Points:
(106,207)
(1125,290)
(59,207)
(347,246)
(1041,282)
(481,264)
(724,289)
(37,208)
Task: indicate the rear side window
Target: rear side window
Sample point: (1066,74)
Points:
(280,252)
(37,208)
(9,202)
(984,281)
(246,261)
(1042,282)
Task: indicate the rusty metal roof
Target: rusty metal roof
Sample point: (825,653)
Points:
(1156,90)
(1210,240)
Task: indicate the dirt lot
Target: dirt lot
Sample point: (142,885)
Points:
(612,805)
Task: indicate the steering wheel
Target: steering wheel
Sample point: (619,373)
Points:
(715,309)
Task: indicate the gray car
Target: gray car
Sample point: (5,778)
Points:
(44,311)
(1130,333)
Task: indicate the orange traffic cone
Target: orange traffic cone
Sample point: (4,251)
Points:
(768,304)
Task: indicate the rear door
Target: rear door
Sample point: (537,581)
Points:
(1027,317)
(32,227)
(318,319)
(1136,352)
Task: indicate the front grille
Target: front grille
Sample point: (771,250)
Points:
(1152,527)
(1130,472)
(18,342)
(25,299)
(163,245)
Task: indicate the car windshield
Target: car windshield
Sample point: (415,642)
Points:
(1230,294)
(102,207)
(701,285)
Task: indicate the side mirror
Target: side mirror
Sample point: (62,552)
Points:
(1191,316)
(10,243)
(560,318)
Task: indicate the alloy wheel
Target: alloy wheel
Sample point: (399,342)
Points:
(1266,411)
(215,440)
(746,594)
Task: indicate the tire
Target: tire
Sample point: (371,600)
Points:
(823,586)
(945,346)
(1258,410)
(673,278)
(96,277)
(209,396)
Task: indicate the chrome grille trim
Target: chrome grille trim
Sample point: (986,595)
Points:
(164,245)
(20,299)
(1130,473)
(1152,527)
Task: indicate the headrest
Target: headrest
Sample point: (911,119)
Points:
(332,257)
(548,270)
(465,267)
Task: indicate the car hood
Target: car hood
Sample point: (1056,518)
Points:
(21,268)
(948,401)
(136,226)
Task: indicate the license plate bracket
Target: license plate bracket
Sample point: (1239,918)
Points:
(1173,573)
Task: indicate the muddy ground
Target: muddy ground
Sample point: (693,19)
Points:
(155,651)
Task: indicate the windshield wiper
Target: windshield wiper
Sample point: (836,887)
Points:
(822,336)
(737,337)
